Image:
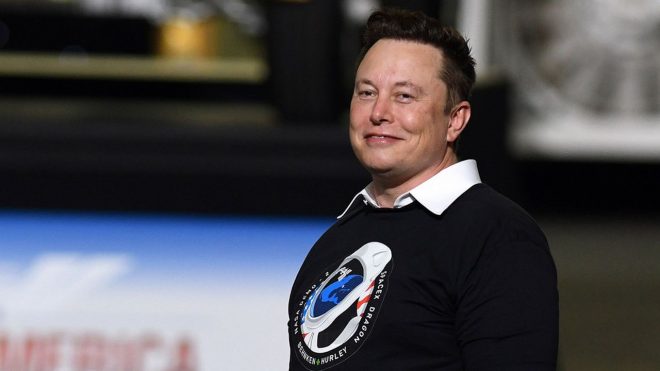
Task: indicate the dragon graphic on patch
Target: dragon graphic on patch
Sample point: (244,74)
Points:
(336,314)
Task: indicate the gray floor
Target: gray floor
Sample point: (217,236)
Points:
(609,282)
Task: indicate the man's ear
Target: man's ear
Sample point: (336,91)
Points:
(458,120)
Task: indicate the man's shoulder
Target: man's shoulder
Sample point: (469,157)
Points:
(481,197)
(483,206)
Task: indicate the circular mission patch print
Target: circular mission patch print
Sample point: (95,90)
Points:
(336,314)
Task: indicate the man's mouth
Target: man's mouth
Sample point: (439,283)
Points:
(380,139)
(379,136)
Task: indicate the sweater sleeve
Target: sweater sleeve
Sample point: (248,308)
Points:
(507,308)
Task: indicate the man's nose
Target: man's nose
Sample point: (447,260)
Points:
(381,111)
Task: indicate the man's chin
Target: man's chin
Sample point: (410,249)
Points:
(378,163)
(377,167)
(382,172)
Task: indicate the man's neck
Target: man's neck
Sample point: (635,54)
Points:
(385,189)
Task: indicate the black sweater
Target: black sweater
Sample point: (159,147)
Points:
(471,289)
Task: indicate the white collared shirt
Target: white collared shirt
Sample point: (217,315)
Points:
(436,193)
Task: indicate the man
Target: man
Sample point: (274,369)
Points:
(428,268)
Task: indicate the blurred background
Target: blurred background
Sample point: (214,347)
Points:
(166,164)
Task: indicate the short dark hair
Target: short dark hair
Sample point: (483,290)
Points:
(397,24)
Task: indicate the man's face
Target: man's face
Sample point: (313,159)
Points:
(398,124)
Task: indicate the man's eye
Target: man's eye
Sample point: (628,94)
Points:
(366,94)
(404,97)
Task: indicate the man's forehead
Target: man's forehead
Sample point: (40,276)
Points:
(401,57)
(401,45)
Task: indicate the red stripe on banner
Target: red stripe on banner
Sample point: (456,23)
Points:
(363,301)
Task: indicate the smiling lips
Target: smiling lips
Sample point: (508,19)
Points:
(380,138)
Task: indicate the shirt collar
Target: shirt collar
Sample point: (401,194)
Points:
(436,193)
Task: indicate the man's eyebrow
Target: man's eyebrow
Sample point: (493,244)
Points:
(409,84)
(406,83)
(364,81)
